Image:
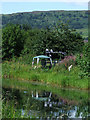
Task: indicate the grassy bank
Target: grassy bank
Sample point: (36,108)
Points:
(58,76)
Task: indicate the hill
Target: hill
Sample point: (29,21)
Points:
(42,19)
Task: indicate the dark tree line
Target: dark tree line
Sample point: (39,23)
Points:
(22,39)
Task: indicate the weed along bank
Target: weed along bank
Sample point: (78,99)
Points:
(44,61)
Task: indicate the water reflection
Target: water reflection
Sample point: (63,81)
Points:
(42,104)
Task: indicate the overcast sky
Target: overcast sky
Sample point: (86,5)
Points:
(9,6)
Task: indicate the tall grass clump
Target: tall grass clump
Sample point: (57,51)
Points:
(83,61)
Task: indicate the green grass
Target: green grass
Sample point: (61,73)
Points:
(57,76)
(0,108)
(18,75)
(9,110)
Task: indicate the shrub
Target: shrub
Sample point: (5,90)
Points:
(12,41)
(83,61)
(35,77)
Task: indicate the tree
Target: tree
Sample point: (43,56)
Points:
(60,38)
(84,60)
(32,35)
(12,41)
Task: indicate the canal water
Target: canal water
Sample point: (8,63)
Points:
(42,103)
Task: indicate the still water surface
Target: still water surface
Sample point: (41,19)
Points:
(49,104)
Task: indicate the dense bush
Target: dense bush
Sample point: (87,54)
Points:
(60,38)
(83,61)
(20,40)
(12,41)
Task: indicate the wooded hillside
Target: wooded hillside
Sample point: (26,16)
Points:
(42,19)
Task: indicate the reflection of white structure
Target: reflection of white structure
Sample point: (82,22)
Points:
(51,50)
(47,50)
(32,94)
(45,104)
(72,113)
(36,94)
(50,104)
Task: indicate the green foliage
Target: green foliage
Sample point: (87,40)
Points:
(24,59)
(58,75)
(32,35)
(43,41)
(8,110)
(60,38)
(84,61)
(76,19)
(35,77)
(12,41)
(21,40)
